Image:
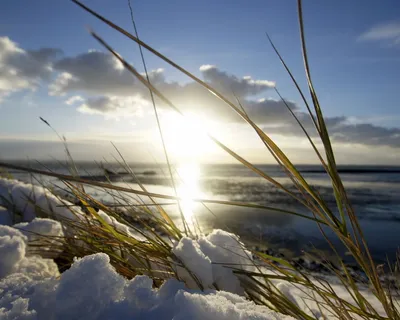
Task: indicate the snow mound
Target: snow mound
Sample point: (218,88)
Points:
(189,252)
(92,289)
(6,217)
(40,227)
(211,259)
(27,198)
(43,236)
(220,305)
(13,259)
(120,226)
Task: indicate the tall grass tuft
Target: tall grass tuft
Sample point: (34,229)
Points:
(145,250)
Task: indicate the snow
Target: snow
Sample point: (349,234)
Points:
(92,289)
(39,227)
(120,226)
(28,199)
(12,250)
(287,290)
(226,251)
(31,286)
(5,217)
(212,259)
(96,283)
(21,195)
(13,245)
(44,236)
(220,306)
(189,252)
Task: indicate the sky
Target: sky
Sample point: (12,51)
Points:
(51,67)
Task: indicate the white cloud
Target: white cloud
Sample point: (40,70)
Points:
(72,100)
(104,87)
(119,95)
(389,32)
(23,69)
(206,67)
(97,73)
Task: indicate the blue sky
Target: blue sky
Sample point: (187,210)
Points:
(354,52)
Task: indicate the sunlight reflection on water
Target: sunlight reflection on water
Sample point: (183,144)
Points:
(189,189)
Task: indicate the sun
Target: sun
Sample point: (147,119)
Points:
(187,143)
(186,138)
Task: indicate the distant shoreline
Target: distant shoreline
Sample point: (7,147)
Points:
(356,171)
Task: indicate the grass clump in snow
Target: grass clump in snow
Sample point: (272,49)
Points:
(206,262)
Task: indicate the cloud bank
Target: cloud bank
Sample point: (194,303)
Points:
(23,69)
(96,83)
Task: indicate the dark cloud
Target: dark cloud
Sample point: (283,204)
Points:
(102,104)
(114,107)
(289,126)
(342,131)
(269,111)
(367,134)
(228,83)
(92,72)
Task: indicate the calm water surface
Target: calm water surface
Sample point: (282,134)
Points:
(373,191)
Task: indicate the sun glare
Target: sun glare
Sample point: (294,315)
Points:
(188,189)
(186,138)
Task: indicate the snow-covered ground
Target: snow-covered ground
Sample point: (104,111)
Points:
(31,286)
